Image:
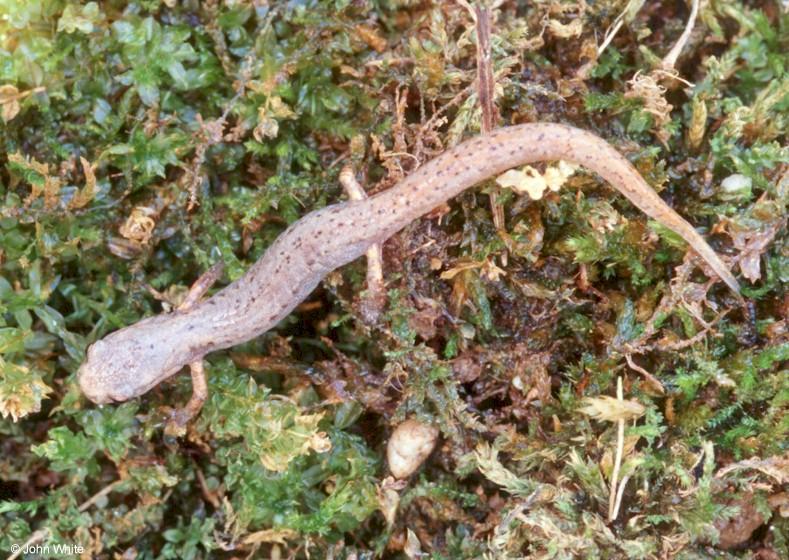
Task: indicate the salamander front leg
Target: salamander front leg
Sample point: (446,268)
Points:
(176,426)
(201,286)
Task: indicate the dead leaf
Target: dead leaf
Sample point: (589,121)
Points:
(774,467)
(752,249)
(9,100)
(139,226)
(278,536)
(83,197)
(530,181)
(17,400)
(738,530)
(10,97)
(413,548)
(611,409)
(565,30)
(370,35)
(646,88)
(489,270)
(389,498)
(48,185)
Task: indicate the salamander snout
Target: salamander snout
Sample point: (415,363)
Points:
(99,378)
(130,361)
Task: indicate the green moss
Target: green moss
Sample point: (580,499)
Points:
(144,141)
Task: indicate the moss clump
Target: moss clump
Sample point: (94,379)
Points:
(145,141)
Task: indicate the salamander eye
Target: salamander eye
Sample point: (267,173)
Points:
(95,348)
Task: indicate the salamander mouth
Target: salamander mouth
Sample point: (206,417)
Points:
(91,386)
(123,396)
(98,398)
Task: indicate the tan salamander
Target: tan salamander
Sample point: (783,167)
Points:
(129,362)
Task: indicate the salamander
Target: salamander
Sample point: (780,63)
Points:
(132,360)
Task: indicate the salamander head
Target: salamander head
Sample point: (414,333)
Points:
(129,362)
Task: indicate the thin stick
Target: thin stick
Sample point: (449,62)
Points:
(43,534)
(36,537)
(609,36)
(620,448)
(486,85)
(620,492)
(209,496)
(485,81)
(651,379)
(671,58)
(98,495)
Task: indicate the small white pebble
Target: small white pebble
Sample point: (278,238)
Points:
(517,382)
(467,331)
(410,444)
(736,182)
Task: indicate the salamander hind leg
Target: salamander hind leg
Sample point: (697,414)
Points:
(375,298)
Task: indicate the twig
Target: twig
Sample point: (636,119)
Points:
(209,496)
(682,344)
(485,82)
(620,448)
(397,61)
(486,86)
(36,537)
(671,75)
(43,534)
(212,132)
(667,305)
(651,379)
(98,495)
(619,493)
(671,58)
(611,33)
(451,103)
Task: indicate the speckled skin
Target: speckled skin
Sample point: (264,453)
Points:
(129,362)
